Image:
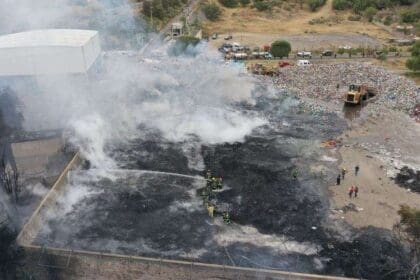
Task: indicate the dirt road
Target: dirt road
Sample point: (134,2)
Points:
(378,147)
(302,42)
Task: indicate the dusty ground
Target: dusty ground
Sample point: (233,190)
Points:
(378,146)
(263,27)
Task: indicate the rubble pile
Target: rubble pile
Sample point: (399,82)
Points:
(329,82)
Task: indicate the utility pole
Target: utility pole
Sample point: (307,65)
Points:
(151,12)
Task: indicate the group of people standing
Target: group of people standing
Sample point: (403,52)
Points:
(353,190)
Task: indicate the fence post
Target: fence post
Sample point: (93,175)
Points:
(191,269)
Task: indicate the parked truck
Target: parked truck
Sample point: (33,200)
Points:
(359,94)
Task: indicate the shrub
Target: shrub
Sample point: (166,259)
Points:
(212,11)
(393,49)
(280,48)
(162,9)
(315,4)
(361,5)
(382,57)
(388,20)
(341,4)
(414,62)
(409,228)
(354,18)
(410,16)
(370,12)
(415,49)
(262,5)
(229,3)
(407,2)
(244,2)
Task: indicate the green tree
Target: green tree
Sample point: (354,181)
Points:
(315,4)
(413,63)
(415,50)
(212,11)
(280,48)
(244,2)
(361,5)
(229,3)
(341,4)
(410,15)
(370,12)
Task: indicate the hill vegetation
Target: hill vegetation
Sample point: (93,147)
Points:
(162,10)
(410,9)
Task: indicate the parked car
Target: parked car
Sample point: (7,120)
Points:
(304,54)
(303,62)
(237,47)
(268,55)
(346,47)
(327,53)
(283,64)
(225,48)
(240,56)
(228,37)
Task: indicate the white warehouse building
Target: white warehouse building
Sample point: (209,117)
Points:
(48,52)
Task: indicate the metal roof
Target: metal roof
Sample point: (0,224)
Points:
(47,37)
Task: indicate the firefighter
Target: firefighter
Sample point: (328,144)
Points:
(210,209)
(209,180)
(226,218)
(356,169)
(213,183)
(343,172)
(295,174)
(208,174)
(219,183)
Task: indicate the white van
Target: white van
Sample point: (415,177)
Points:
(303,62)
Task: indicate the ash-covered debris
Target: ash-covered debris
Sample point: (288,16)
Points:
(409,178)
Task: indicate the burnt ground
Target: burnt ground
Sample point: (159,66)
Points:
(279,222)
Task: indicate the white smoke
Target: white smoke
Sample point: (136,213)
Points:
(180,96)
(91,134)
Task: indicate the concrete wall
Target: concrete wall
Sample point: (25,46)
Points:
(32,156)
(66,264)
(34,224)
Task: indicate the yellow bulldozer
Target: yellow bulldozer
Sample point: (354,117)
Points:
(360,94)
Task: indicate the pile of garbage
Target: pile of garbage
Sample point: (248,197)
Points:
(329,83)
